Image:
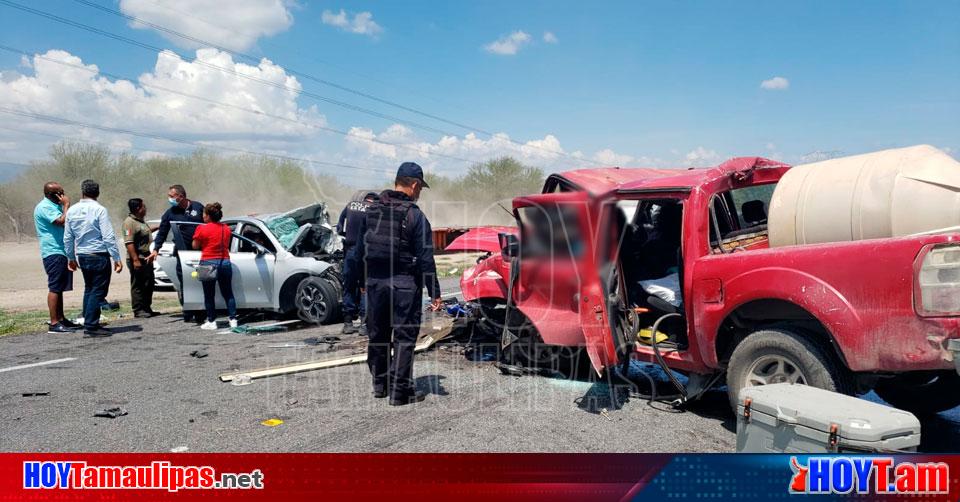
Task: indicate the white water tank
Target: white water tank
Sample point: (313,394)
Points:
(890,193)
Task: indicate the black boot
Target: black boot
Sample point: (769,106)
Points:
(348,327)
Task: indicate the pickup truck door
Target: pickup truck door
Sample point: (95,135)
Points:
(558,285)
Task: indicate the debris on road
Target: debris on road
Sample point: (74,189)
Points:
(247,329)
(288,346)
(199,354)
(178,449)
(35,394)
(329,339)
(111,413)
(272,422)
(425,342)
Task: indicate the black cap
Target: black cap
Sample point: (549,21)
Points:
(412,170)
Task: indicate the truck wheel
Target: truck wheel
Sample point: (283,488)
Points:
(317,301)
(922,392)
(781,356)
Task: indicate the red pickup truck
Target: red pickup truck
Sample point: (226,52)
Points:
(594,253)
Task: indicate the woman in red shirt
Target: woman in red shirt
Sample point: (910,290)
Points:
(213,240)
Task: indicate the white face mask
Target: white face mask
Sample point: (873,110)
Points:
(172,201)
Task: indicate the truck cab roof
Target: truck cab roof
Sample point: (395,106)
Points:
(598,181)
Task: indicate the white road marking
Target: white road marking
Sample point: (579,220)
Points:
(42,363)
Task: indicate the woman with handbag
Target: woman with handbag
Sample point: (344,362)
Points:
(213,240)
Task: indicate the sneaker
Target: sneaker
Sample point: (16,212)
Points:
(362,330)
(97,332)
(348,328)
(70,324)
(415,397)
(209,325)
(233,323)
(143,315)
(59,328)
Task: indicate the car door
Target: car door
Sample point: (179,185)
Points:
(558,286)
(253,268)
(190,289)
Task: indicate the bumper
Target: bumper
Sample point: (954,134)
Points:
(954,347)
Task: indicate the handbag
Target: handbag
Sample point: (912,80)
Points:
(208,273)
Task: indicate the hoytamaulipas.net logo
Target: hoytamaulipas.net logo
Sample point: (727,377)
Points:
(159,475)
(873,475)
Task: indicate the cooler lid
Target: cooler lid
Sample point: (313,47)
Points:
(858,420)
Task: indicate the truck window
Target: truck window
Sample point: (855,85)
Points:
(739,218)
(550,230)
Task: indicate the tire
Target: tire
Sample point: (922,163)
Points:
(317,301)
(755,362)
(922,392)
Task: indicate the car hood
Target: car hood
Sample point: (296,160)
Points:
(481,239)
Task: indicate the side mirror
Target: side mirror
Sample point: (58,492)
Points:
(509,245)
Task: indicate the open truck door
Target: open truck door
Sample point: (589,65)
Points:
(558,286)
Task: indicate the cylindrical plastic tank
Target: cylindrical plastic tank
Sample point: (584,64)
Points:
(890,193)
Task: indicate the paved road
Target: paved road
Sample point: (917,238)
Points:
(176,401)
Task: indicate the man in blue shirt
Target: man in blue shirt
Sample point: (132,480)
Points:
(89,240)
(48,217)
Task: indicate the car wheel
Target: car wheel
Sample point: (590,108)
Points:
(317,301)
(922,392)
(781,356)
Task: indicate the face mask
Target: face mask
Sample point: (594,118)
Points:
(173,202)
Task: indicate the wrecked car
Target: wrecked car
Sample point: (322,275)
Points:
(675,267)
(286,262)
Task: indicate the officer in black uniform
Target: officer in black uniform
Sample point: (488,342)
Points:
(351,219)
(184,210)
(397,250)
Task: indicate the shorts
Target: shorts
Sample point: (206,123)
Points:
(59,277)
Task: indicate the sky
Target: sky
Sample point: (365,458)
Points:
(354,88)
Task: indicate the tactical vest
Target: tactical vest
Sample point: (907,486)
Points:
(388,248)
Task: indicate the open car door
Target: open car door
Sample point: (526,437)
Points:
(559,286)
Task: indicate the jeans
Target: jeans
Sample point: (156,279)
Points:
(96,283)
(225,280)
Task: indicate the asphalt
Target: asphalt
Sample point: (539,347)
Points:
(175,402)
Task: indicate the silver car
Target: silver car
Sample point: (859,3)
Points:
(288,263)
(160,279)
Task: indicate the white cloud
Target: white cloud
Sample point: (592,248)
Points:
(610,158)
(775,84)
(236,27)
(361,24)
(550,38)
(700,156)
(508,45)
(77,92)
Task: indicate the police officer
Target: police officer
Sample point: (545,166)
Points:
(397,249)
(349,227)
(185,210)
(136,238)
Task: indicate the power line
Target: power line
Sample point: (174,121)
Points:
(235,107)
(153,48)
(326,99)
(335,85)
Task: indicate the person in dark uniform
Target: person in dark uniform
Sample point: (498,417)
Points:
(136,238)
(397,251)
(181,209)
(349,227)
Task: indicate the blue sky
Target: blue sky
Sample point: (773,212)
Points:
(632,83)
